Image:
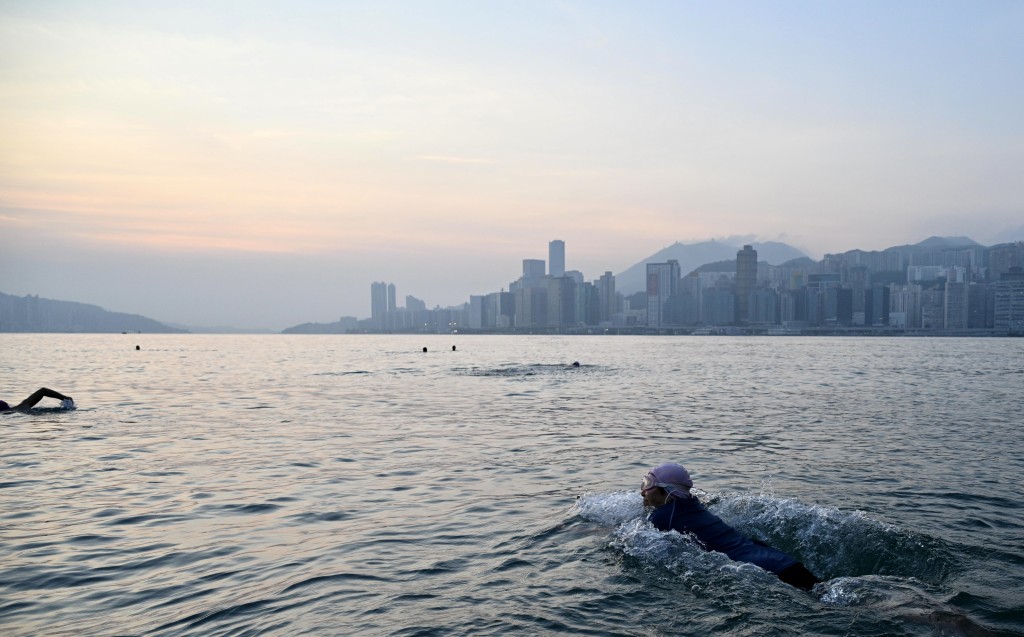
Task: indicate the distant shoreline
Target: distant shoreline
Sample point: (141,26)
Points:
(773,331)
(723,331)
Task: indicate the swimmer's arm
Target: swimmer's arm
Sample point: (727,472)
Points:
(38,395)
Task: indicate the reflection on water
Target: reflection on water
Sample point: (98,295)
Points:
(357,485)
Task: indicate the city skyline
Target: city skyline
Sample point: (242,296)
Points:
(255,165)
(939,286)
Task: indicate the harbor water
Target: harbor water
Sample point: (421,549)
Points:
(357,485)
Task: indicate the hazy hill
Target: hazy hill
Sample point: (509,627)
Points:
(932,243)
(33,314)
(693,255)
(730,265)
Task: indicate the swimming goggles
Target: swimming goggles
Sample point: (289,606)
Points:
(649,483)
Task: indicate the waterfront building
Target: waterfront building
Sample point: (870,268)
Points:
(718,306)
(933,307)
(858,279)
(746,279)
(531,307)
(814,303)
(905,305)
(876,305)
(1009,301)
(764,306)
(662,283)
(499,310)
(588,304)
(476,311)
(791,306)
(556,258)
(561,304)
(690,291)
(378,303)
(608,299)
(981,305)
(955,305)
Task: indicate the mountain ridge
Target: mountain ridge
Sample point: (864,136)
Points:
(35,314)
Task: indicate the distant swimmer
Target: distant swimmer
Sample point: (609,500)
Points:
(424,350)
(65,401)
(453,348)
(575,363)
(667,489)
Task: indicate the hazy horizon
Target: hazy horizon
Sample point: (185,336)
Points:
(257,167)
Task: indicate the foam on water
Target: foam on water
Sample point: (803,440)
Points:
(833,542)
(864,560)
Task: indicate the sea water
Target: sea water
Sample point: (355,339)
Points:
(344,485)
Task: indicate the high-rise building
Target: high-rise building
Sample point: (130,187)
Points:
(955,305)
(746,279)
(1009,301)
(662,284)
(531,307)
(392,298)
(561,302)
(933,315)
(876,305)
(1003,257)
(414,304)
(378,302)
(905,305)
(476,312)
(533,272)
(556,257)
(764,306)
(607,299)
(718,306)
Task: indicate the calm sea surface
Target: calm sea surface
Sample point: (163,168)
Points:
(342,485)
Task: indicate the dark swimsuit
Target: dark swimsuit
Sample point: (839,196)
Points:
(689,516)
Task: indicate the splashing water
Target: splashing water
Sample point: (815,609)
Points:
(870,562)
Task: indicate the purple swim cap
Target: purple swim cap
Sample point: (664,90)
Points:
(674,475)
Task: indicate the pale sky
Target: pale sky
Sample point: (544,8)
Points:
(259,164)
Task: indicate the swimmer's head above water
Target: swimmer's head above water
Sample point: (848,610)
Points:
(664,483)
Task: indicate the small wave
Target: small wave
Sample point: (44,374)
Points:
(512,370)
(240,509)
(326,516)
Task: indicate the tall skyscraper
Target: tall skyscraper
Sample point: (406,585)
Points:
(746,280)
(556,257)
(1009,301)
(662,284)
(378,302)
(607,298)
(392,301)
(533,272)
(955,310)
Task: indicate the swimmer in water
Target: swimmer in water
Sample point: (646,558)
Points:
(37,395)
(667,489)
